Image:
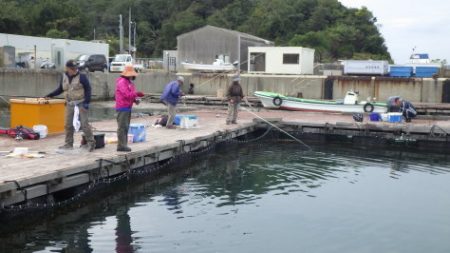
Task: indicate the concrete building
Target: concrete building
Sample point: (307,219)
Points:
(281,60)
(57,51)
(206,44)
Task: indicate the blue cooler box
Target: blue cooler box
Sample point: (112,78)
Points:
(395,117)
(138,132)
(178,117)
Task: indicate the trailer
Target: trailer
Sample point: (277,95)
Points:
(57,51)
(368,67)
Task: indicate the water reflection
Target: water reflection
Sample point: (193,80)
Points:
(178,211)
(123,232)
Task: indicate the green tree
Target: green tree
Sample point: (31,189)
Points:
(336,32)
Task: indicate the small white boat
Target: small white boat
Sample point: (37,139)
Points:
(350,103)
(217,66)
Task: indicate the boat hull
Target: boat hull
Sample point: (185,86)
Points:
(208,67)
(296,104)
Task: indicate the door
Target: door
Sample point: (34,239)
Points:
(258,62)
(58,57)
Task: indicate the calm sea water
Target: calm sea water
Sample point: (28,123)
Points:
(264,198)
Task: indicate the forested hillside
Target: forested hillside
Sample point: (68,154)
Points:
(335,31)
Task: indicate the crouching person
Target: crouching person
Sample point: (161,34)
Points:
(408,110)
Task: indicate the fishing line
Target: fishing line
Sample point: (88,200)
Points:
(246,101)
(273,125)
(4,99)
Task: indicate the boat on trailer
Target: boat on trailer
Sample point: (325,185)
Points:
(349,104)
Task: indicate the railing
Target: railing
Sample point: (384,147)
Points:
(150,63)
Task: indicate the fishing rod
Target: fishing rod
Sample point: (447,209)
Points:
(245,99)
(273,125)
(23,96)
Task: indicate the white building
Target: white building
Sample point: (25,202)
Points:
(57,51)
(281,60)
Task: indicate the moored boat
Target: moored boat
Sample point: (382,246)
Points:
(349,104)
(217,66)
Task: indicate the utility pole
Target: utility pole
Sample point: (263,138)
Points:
(129,30)
(120,33)
(134,40)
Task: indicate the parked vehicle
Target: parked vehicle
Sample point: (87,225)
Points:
(81,61)
(96,62)
(349,104)
(120,60)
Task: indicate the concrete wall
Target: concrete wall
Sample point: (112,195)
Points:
(414,89)
(37,84)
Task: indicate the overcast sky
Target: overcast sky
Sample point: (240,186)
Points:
(406,24)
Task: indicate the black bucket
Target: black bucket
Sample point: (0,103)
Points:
(99,140)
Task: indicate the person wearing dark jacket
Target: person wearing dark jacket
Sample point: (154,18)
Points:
(408,110)
(234,97)
(171,94)
(77,91)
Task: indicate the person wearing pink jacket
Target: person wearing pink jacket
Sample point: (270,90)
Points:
(125,96)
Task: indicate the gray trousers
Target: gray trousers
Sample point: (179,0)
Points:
(85,127)
(171,111)
(232,112)
(123,124)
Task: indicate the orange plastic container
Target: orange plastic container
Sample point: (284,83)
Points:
(35,111)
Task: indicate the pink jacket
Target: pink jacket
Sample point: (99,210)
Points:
(125,93)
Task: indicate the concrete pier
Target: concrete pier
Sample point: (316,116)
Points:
(23,179)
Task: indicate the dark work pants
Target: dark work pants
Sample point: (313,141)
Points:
(123,123)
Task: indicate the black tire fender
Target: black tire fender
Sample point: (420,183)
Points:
(368,107)
(277,101)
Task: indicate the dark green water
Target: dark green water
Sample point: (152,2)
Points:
(265,198)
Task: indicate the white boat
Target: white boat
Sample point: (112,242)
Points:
(217,66)
(350,103)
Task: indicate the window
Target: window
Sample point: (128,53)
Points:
(291,58)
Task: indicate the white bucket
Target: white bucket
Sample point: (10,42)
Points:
(41,129)
(130,138)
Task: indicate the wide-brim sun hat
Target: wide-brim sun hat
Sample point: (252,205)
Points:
(128,71)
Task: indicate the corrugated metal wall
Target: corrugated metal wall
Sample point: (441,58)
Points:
(203,45)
